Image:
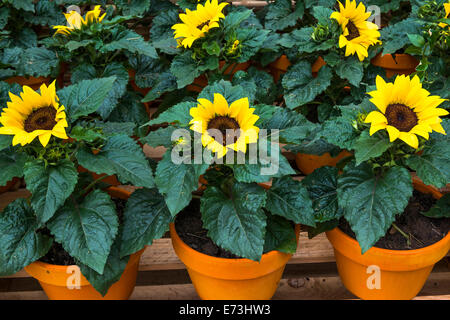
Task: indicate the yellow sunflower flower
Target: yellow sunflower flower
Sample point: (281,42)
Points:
(76,21)
(405,110)
(224,127)
(447,14)
(357,33)
(34,115)
(198,22)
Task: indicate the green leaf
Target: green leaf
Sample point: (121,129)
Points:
(85,97)
(121,156)
(433,165)
(161,32)
(12,163)
(50,186)
(301,87)
(395,37)
(179,114)
(146,218)
(250,41)
(417,40)
(85,134)
(39,61)
(4,15)
(87,229)
(5,142)
(350,69)
(26,5)
(270,164)
(136,7)
(114,268)
(281,15)
(322,189)
(289,198)
(441,209)
(301,40)
(185,69)
(322,14)
(225,88)
(20,243)
(165,83)
(132,42)
(371,202)
(160,137)
(236,224)
(176,182)
(368,147)
(234,18)
(280,235)
(340,132)
(259,81)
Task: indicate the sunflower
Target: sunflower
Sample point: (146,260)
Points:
(233,127)
(76,21)
(405,110)
(447,14)
(357,33)
(34,115)
(198,22)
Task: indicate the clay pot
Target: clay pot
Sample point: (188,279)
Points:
(402,64)
(9,185)
(231,279)
(32,82)
(307,163)
(54,278)
(402,273)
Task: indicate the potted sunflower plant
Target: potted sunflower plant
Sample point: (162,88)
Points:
(387,228)
(236,233)
(71,233)
(330,66)
(23,58)
(100,45)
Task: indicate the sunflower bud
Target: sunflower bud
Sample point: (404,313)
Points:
(320,33)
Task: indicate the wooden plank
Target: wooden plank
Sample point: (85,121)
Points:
(306,288)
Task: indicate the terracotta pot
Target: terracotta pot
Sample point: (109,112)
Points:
(402,272)
(402,64)
(282,64)
(231,279)
(201,81)
(9,185)
(32,82)
(54,278)
(307,163)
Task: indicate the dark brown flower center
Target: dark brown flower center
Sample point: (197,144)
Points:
(401,117)
(228,127)
(200,26)
(41,119)
(352,31)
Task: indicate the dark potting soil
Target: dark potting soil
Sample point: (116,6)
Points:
(422,231)
(58,256)
(189,227)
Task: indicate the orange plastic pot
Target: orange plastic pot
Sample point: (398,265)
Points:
(402,273)
(307,163)
(231,279)
(201,81)
(32,82)
(401,64)
(54,278)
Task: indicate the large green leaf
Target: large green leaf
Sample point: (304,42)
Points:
(350,69)
(368,147)
(433,165)
(301,40)
(176,182)
(185,69)
(322,189)
(146,218)
(50,186)
(301,87)
(20,243)
(250,41)
(85,97)
(132,42)
(26,5)
(371,202)
(38,61)
(290,199)
(340,132)
(441,209)
(395,37)
(236,223)
(280,235)
(179,113)
(11,164)
(160,137)
(114,268)
(281,14)
(161,32)
(87,229)
(121,156)
(230,92)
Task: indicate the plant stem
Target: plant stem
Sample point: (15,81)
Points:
(93,183)
(408,238)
